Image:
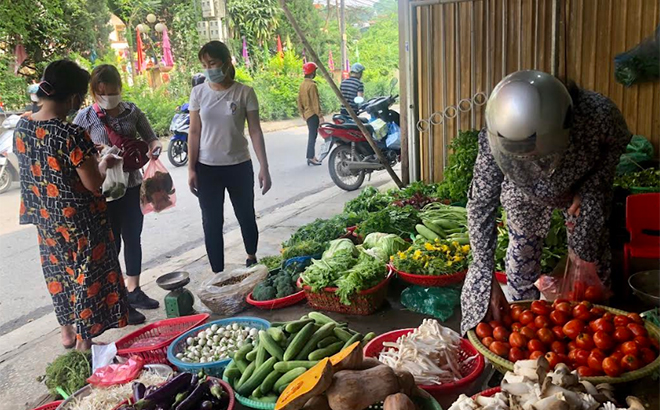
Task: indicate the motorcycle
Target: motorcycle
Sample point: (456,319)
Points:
(353,158)
(8,160)
(177,151)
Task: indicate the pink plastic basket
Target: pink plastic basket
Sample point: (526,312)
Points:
(501,277)
(430,281)
(276,303)
(50,406)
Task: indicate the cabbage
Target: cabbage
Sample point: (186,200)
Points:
(339,244)
(372,240)
(391,244)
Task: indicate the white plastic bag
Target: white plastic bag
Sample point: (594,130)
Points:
(225,293)
(116,180)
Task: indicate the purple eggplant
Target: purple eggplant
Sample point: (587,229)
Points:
(166,393)
(206,405)
(195,397)
(139,390)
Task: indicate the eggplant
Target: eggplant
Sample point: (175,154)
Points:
(139,390)
(206,405)
(216,388)
(165,393)
(195,397)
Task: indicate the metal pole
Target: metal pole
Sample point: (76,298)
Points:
(536,34)
(457,33)
(488,47)
(429,92)
(520,34)
(443,59)
(554,55)
(342,30)
(342,100)
(505,27)
(473,63)
(413,113)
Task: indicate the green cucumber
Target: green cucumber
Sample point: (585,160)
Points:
(257,393)
(252,354)
(321,319)
(269,381)
(288,377)
(257,377)
(242,365)
(284,367)
(299,341)
(368,337)
(297,325)
(426,232)
(446,224)
(278,324)
(326,351)
(231,371)
(342,334)
(242,351)
(277,334)
(435,228)
(271,399)
(355,338)
(326,342)
(271,347)
(261,356)
(246,375)
(322,333)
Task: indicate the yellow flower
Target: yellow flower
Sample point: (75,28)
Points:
(465,249)
(417,254)
(429,247)
(426,265)
(392,258)
(454,244)
(449,263)
(458,258)
(437,240)
(444,248)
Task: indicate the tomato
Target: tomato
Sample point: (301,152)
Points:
(546,336)
(541,307)
(517,340)
(609,316)
(532,326)
(601,324)
(655,343)
(535,355)
(528,332)
(558,301)
(593,294)
(499,349)
(595,360)
(611,367)
(494,323)
(484,330)
(487,341)
(618,356)
(623,334)
(584,371)
(542,321)
(552,359)
(535,345)
(642,341)
(526,317)
(515,327)
(581,357)
(647,355)
(573,328)
(584,341)
(564,307)
(558,347)
(603,340)
(558,317)
(630,363)
(516,354)
(621,320)
(572,345)
(630,348)
(559,333)
(507,321)
(635,317)
(579,288)
(516,310)
(501,334)
(637,330)
(581,312)
(597,312)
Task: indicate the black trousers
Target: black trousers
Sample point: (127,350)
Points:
(238,180)
(126,221)
(313,127)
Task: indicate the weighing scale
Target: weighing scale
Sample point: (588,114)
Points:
(179,302)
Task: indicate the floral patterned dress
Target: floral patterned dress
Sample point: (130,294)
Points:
(599,136)
(77,250)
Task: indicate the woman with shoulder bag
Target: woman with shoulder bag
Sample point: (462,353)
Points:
(112,122)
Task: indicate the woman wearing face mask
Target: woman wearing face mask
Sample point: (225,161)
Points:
(125,215)
(60,182)
(219,154)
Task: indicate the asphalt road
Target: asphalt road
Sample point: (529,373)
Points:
(24,296)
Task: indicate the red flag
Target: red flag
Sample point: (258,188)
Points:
(280,51)
(331,62)
(140,53)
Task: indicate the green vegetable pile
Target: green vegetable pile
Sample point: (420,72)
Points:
(281,283)
(458,174)
(396,220)
(312,239)
(115,190)
(381,245)
(444,222)
(69,372)
(271,262)
(303,248)
(648,178)
(369,200)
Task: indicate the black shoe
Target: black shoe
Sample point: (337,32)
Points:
(249,262)
(135,317)
(139,300)
(313,162)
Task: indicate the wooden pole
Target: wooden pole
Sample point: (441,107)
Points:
(341,98)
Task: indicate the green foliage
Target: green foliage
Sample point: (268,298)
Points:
(256,20)
(458,174)
(329,101)
(310,21)
(14,88)
(277,87)
(182,29)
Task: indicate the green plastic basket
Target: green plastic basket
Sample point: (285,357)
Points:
(253,404)
(644,189)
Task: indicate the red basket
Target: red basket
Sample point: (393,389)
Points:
(501,277)
(430,281)
(50,406)
(276,303)
(225,386)
(488,393)
(151,342)
(365,302)
(470,370)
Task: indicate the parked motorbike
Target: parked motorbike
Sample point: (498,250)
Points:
(353,158)
(8,160)
(177,151)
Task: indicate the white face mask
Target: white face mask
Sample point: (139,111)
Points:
(108,102)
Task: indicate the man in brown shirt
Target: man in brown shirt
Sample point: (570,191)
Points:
(309,106)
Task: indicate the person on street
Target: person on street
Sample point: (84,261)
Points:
(125,214)
(546,146)
(353,87)
(60,181)
(34,100)
(219,154)
(309,106)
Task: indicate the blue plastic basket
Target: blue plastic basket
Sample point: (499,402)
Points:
(301,259)
(211,368)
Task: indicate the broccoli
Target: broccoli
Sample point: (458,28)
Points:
(275,286)
(283,285)
(264,291)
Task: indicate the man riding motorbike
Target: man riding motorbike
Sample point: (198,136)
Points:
(353,87)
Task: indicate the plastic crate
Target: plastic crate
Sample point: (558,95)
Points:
(150,342)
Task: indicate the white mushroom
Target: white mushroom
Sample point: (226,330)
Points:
(588,402)
(634,403)
(554,402)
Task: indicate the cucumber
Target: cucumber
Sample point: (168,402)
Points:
(252,354)
(342,334)
(368,337)
(241,365)
(299,341)
(326,351)
(242,351)
(269,381)
(322,333)
(435,228)
(426,232)
(320,318)
(257,393)
(231,371)
(277,334)
(278,324)
(271,347)
(446,223)
(326,342)
(284,367)
(297,325)
(246,375)
(355,338)
(288,377)
(257,377)
(261,356)
(271,399)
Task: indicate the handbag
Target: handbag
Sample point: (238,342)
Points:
(133,151)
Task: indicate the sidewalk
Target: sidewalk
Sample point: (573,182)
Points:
(25,352)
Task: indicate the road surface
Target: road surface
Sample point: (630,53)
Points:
(24,295)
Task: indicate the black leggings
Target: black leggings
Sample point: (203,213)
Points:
(313,127)
(126,220)
(238,180)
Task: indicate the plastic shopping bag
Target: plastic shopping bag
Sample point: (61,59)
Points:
(393,140)
(117,373)
(157,192)
(116,180)
(641,63)
(225,293)
(436,302)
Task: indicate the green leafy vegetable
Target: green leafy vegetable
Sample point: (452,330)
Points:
(369,200)
(396,220)
(366,274)
(337,245)
(458,174)
(69,371)
(325,272)
(303,248)
(271,262)
(648,178)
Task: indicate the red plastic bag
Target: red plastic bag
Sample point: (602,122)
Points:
(113,374)
(157,192)
(578,282)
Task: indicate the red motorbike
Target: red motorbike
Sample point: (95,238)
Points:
(353,158)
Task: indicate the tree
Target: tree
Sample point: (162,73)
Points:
(256,20)
(310,21)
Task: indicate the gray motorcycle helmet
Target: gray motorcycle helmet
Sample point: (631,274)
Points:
(528,118)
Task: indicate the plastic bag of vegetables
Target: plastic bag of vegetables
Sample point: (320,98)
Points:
(116,180)
(225,293)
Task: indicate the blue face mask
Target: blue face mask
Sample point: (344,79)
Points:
(215,75)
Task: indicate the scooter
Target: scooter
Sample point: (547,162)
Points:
(8,160)
(353,158)
(177,151)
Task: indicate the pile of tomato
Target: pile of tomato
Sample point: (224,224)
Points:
(587,338)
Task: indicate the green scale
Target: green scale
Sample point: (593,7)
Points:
(179,302)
